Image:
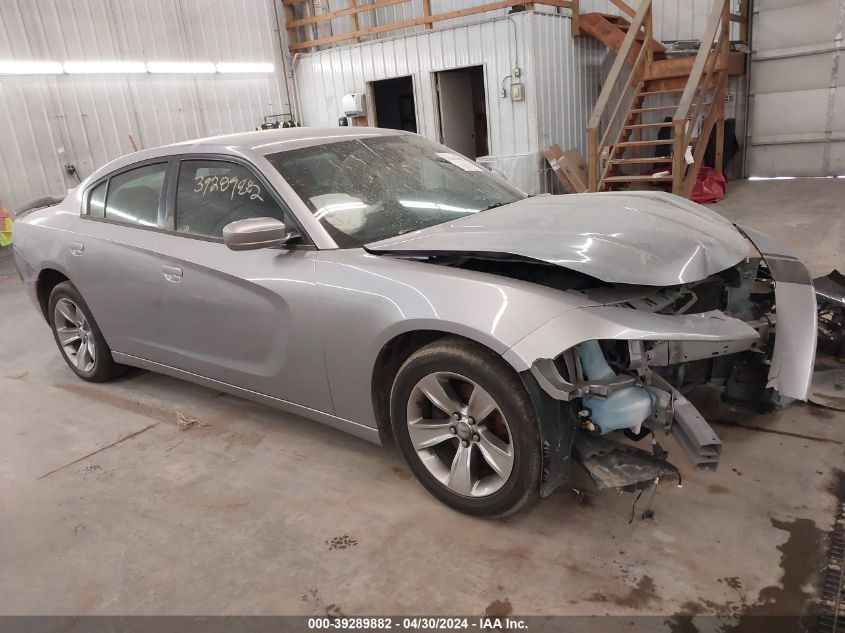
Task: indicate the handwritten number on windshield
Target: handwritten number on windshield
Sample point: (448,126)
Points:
(231,185)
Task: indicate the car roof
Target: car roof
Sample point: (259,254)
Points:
(268,141)
(260,141)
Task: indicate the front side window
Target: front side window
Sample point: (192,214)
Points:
(133,196)
(213,193)
(372,188)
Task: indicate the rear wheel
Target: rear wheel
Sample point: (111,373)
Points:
(467,428)
(79,339)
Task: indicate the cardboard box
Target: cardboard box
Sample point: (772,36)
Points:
(569,167)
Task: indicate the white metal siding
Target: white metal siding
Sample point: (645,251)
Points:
(323,78)
(798,89)
(569,74)
(562,78)
(47,121)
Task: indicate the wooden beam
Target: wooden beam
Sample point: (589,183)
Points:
(354,18)
(353,9)
(618,64)
(293,35)
(682,66)
(575,22)
(744,13)
(700,60)
(450,15)
(426,7)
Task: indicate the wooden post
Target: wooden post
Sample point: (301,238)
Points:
(293,36)
(593,151)
(725,49)
(354,17)
(426,6)
(679,165)
(649,39)
(720,137)
(576,18)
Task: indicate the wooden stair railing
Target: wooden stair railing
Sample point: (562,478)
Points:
(615,130)
(601,153)
(706,75)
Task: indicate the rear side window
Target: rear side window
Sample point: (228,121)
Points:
(212,193)
(134,195)
(97,201)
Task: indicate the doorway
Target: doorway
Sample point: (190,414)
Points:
(462,109)
(394,105)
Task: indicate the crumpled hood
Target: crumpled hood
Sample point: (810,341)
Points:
(649,238)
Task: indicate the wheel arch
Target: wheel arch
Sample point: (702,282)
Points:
(557,422)
(48,278)
(393,354)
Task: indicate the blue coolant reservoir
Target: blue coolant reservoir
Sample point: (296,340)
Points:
(624,409)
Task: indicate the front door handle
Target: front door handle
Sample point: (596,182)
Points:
(173,274)
(76,248)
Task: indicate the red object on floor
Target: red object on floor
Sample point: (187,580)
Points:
(710,186)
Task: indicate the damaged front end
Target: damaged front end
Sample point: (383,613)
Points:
(629,364)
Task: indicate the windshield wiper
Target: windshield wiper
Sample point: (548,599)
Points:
(494,205)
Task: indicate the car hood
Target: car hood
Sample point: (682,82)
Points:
(649,238)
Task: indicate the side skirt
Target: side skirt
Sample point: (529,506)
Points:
(353,428)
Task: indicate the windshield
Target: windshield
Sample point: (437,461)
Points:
(369,189)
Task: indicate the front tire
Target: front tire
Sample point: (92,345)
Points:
(78,337)
(467,428)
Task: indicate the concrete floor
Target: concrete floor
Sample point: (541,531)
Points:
(255,511)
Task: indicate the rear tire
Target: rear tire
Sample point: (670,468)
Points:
(487,467)
(78,337)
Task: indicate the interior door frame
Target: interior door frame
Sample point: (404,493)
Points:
(435,91)
(372,114)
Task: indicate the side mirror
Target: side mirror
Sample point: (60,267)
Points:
(254,233)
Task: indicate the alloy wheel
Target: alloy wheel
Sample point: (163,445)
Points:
(460,434)
(75,336)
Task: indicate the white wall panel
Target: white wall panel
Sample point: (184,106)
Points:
(90,117)
(324,77)
(562,78)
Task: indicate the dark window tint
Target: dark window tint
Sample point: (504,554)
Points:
(97,201)
(133,196)
(212,194)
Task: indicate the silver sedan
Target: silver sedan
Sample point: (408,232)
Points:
(382,284)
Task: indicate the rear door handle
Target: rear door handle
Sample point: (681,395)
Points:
(76,248)
(173,274)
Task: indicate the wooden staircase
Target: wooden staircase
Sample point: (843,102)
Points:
(654,117)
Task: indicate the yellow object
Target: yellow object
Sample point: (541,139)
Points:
(5,228)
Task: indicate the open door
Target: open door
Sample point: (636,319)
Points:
(394,106)
(462,110)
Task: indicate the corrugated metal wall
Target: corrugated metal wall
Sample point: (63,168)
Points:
(47,121)
(498,45)
(562,78)
(569,73)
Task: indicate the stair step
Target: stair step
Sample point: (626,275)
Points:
(640,126)
(663,108)
(638,178)
(650,143)
(640,161)
(653,93)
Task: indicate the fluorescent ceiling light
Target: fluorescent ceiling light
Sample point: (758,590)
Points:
(94,68)
(248,67)
(193,68)
(30,68)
